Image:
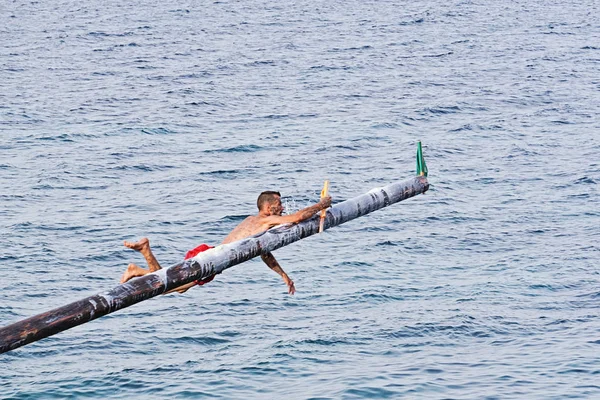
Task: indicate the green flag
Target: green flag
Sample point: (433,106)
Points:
(421,166)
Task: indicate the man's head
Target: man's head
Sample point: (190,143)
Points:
(269,202)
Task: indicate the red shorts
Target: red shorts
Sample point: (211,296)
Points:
(193,253)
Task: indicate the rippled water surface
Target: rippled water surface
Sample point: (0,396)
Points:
(120,120)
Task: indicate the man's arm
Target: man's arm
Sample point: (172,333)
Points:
(182,288)
(298,216)
(274,265)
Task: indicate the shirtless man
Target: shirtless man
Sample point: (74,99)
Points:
(269,215)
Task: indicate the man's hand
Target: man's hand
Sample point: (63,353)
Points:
(325,202)
(274,265)
(290,285)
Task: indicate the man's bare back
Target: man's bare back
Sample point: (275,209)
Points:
(269,215)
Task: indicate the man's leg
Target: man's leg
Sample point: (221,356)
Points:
(133,271)
(143,246)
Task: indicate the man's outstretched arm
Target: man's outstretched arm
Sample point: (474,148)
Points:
(298,216)
(272,263)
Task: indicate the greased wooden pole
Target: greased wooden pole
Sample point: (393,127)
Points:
(213,261)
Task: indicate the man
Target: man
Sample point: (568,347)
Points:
(269,215)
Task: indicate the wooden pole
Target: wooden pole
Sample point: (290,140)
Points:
(205,264)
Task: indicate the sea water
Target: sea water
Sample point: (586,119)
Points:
(163,119)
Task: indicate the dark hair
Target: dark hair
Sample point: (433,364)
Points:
(266,197)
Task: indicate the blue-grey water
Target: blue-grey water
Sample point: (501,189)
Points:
(165,119)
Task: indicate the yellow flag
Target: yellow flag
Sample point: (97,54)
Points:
(324,193)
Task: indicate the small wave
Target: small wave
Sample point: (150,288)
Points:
(233,218)
(413,22)
(105,34)
(354,48)
(577,371)
(259,370)
(466,327)
(592,295)
(62,137)
(354,264)
(8,311)
(260,63)
(157,131)
(337,147)
(541,286)
(376,298)
(203,340)
(441,110)
(322,342)
(584,180)
(438,55)
(141,167)
(249,148)
(520,152)
(558,33)
(389,243)
(276,116)
(467,127)
(230,334)
(579,196)
(357,96)
(330,68)
(385,125)
(204,103)
(222,172)
(370,392)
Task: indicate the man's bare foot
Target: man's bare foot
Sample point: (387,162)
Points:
(133,271)
(139,245)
